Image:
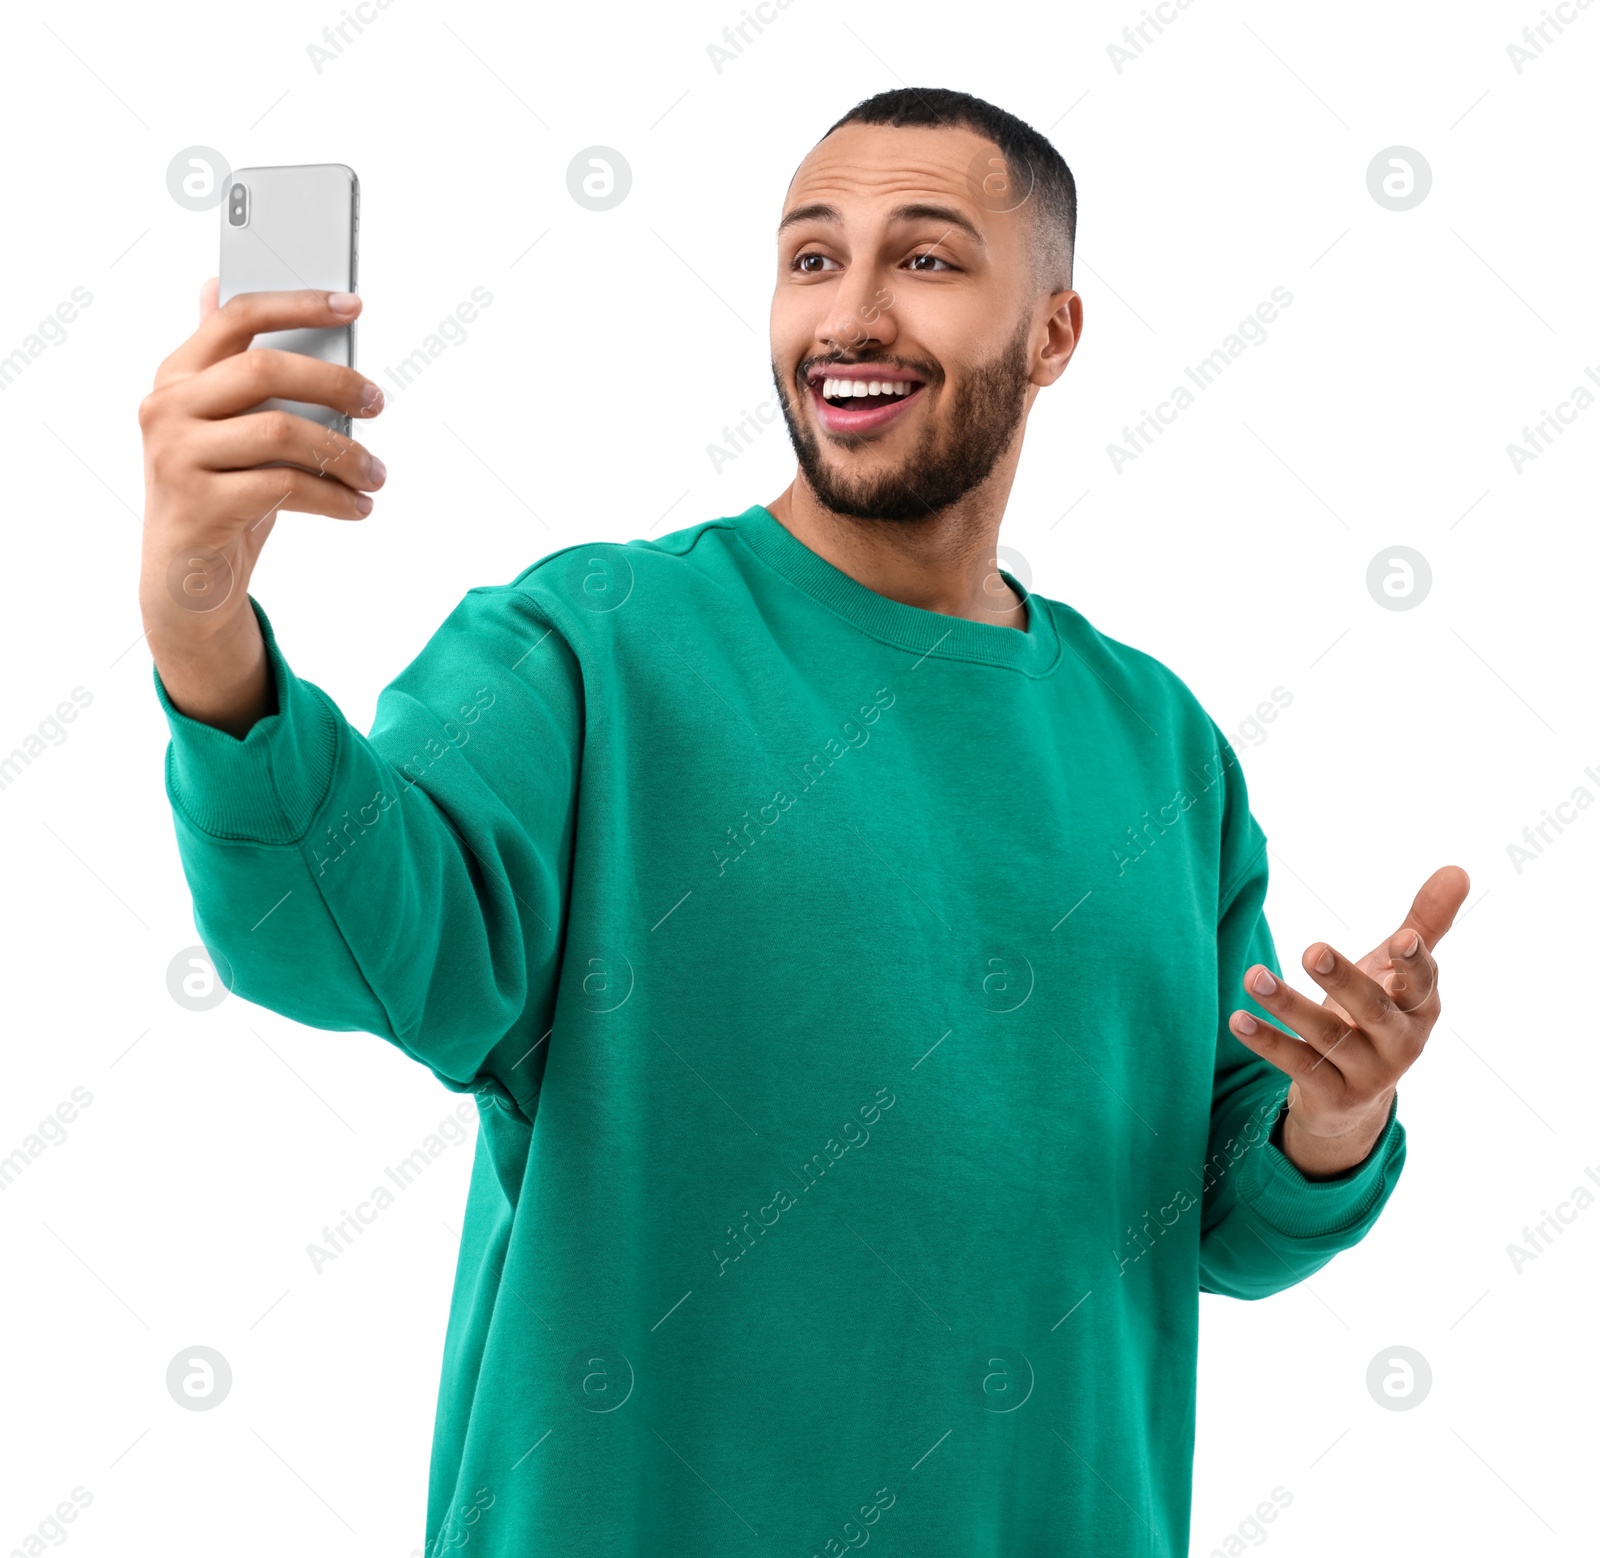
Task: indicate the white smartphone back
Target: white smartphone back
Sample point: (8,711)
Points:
(288,228)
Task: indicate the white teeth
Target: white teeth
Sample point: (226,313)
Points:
(847,389)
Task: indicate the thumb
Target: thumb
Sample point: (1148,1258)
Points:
(208,298)
(1434,909)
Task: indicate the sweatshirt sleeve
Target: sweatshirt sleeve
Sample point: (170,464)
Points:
(1264,1225)
(409,883)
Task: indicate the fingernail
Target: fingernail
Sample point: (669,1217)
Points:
(1247,1023)
(343,302)
(1411,951)
(378,470)
(371,398)
(1324,961)
(363,503)
(1264,983)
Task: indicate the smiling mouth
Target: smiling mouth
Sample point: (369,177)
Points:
(858,400)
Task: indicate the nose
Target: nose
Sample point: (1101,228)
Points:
(862,315)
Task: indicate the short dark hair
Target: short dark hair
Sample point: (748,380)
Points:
(1035,171)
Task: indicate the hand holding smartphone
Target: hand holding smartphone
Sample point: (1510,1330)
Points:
(249,418)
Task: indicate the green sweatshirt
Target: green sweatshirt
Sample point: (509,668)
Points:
(843,987)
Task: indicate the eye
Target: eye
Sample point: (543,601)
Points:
(806,268)
(916,262)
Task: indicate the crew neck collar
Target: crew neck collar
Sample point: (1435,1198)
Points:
(1033,651)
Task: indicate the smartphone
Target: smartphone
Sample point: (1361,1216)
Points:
(284,229)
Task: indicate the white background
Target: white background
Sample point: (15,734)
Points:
(1229,158)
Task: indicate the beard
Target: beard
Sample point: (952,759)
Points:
(988,406)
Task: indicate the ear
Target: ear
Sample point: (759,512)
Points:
(1063,331)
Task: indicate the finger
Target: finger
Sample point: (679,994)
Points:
(1293,1057)
(208,298)
(255,496)
(1325,1031)
(239,443)
(1433,910)
(1356,992)
(231,328)
(229,387)
(1410,975)
(1389,1038)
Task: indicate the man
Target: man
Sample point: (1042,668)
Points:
(853,955)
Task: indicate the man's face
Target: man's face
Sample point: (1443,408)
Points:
(895,271)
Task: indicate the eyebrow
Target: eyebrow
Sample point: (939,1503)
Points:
(917,211)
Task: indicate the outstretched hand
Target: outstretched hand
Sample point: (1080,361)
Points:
(1355,1045)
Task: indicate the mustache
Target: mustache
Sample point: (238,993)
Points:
(928,372)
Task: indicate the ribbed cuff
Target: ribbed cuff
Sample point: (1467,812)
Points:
(1272,1187)
(267,787)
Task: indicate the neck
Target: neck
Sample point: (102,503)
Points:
(944,562)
